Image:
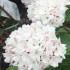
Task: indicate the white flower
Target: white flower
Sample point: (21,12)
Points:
(50,12)
(27,2)
(34,47)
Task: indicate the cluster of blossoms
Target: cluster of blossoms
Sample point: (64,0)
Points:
(50,12)
(35,46)
(27,2)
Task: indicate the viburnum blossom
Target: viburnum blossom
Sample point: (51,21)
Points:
(50,12)
(34,47)
(27,2)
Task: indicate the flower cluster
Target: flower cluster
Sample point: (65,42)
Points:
(50,12)
(27,2)
(34,47)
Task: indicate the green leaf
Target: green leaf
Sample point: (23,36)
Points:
(67,18)
(12,68)
(10,10)
(66,62)
(61,30)
(65,38)
(1,31)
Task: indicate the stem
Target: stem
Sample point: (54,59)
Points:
(11,27)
